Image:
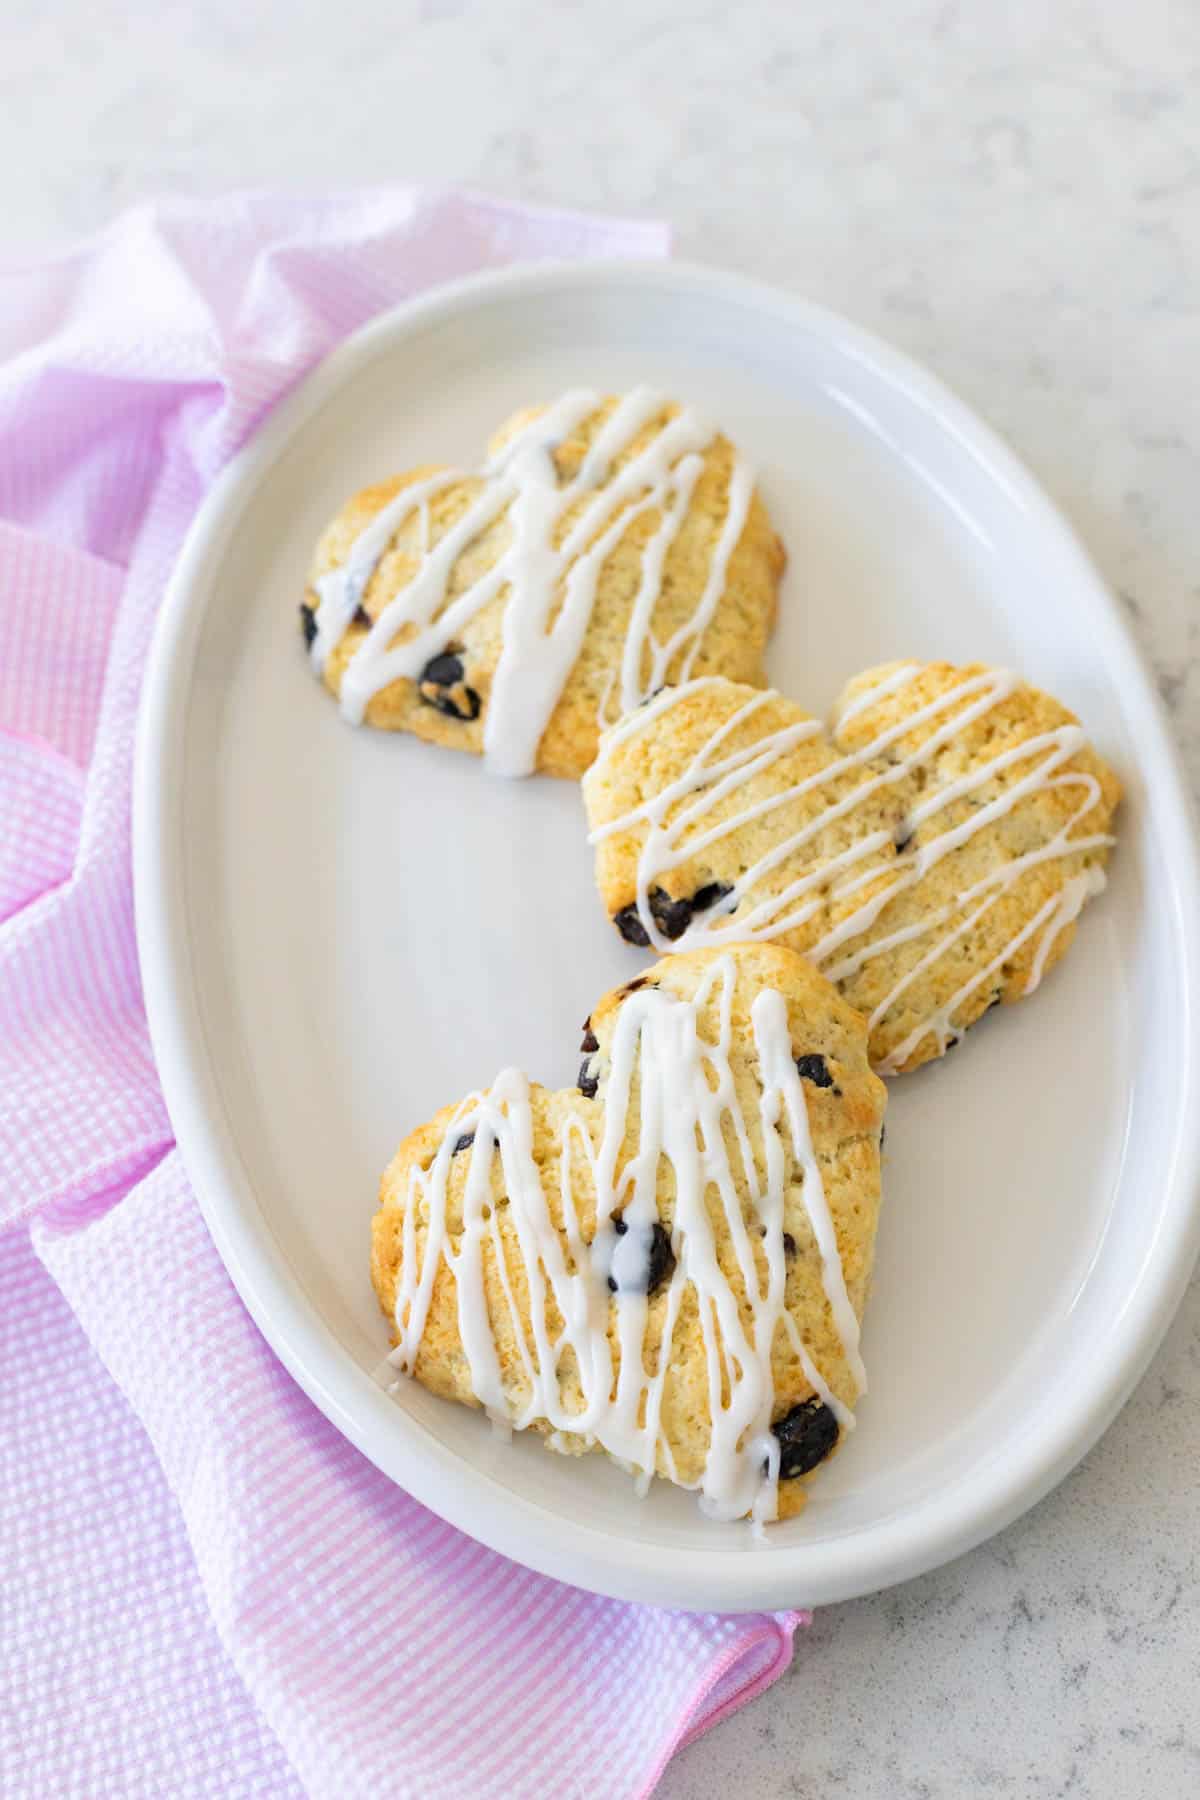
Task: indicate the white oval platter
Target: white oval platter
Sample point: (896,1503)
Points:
(342,930)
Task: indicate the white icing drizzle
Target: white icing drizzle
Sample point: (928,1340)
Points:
(689,1112)
(340,592)
(858,703)
(551,591)
(672,827)
(1067,906)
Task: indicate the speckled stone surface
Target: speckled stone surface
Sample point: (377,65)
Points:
(1012,194)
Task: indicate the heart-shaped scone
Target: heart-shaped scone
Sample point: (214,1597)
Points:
(670,1261)
(930,853)
(608,545)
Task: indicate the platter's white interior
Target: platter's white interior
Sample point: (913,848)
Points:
(350,929)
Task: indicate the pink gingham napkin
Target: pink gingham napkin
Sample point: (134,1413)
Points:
(203,1588)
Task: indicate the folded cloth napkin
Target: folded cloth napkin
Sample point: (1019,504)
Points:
(203,1588)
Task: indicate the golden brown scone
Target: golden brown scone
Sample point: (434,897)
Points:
(652,559)
(676,1192)
(930,853)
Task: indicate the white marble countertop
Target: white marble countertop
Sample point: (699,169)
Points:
(1015,202)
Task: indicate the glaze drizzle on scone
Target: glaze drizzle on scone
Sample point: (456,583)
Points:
(553,527)
(648,1257)
(842,849)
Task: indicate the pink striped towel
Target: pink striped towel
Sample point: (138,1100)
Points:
(203,1589)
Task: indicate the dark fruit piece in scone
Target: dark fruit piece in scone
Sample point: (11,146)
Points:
(308,623)
(441,686)
(709,894)
(789,1242)
(630,926)
(671,916)
(662,1260)
(806,1436)
(814,1068)
(660,1264)
(588,1083)
(443,670)
(463,704)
